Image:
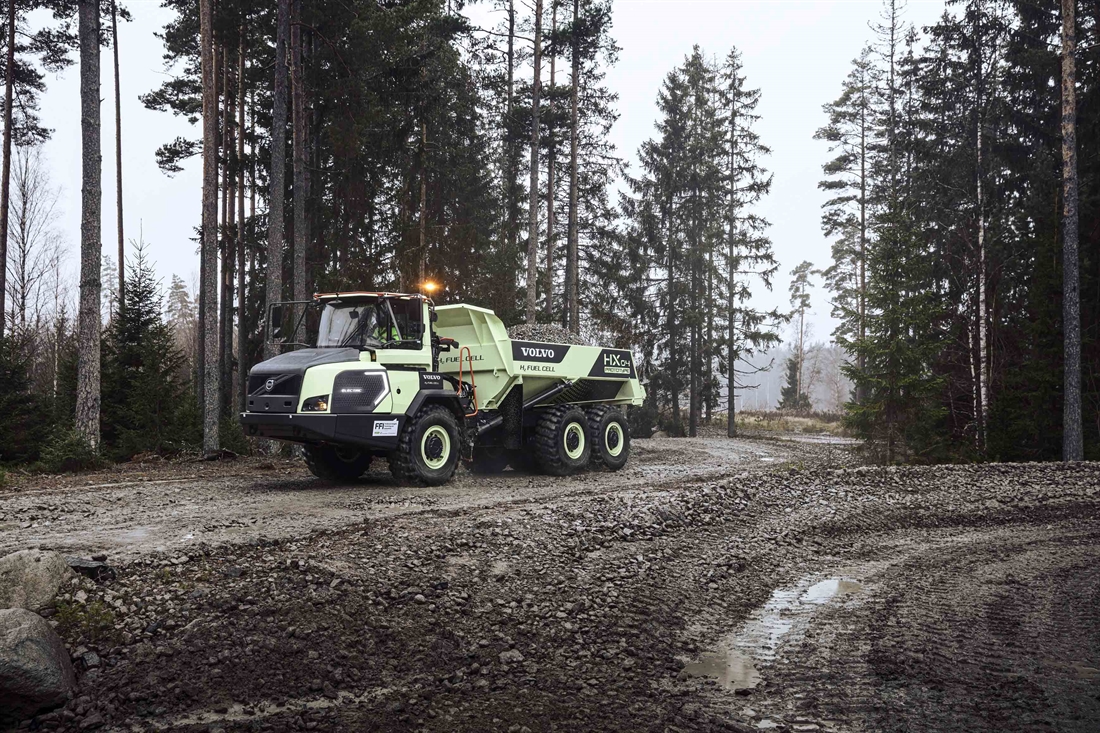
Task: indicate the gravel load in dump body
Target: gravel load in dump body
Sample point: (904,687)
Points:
(584,610)
(550,333)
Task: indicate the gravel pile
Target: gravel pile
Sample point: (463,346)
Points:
(547,333)
(576,614)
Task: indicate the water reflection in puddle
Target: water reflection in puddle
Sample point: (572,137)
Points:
(733,662)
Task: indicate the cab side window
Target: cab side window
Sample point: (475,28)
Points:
(409,321)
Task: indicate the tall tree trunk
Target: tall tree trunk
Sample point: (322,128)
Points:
(211,373)
(982,315)
(228,231)
(551,162)
(572,277)
(5,183)
(277,182)
(91,245)
(242,330)
(533,225)
(693,336)
(301,175)
(731,272)
(670,327)
(118,159)
(423,203)
(1072,438)
(512,154)
(861,361)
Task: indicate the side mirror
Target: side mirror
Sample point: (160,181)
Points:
(435,316)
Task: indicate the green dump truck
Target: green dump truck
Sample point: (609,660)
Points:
(392,375)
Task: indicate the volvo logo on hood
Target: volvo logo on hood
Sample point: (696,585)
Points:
(534,351)
(269,385)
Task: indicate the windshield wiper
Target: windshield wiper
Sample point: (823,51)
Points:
(359,335)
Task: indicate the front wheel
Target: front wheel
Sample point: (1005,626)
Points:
(611,436)
(428,449)
(336,462)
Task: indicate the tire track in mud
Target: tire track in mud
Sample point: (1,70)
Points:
(992,629)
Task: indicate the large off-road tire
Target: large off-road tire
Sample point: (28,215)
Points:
(610,436)
(562,446)
(336,462)
(489,461)
(428,449)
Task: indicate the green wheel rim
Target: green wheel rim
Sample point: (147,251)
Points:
(435,447)
(573,440)
(613,439)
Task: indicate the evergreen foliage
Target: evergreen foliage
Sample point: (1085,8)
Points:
(144,399)
(790,397)
(25,425)
(945,214)
(679,272)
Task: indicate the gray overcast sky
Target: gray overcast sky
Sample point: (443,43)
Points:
(797,52)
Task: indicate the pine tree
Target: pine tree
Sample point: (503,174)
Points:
(88,383)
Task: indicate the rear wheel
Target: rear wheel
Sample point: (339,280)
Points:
(562,446)
(427,451)
(336,462)
(610,437)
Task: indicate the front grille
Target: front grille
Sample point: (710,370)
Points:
(281,384)
(354,391)
(282,397)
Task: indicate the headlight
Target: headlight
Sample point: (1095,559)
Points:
(316,404)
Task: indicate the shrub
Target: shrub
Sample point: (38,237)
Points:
(93,621)
(232,436)
(642,420)
(68,452)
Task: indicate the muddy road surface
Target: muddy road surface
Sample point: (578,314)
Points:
(705,589)
(169,506)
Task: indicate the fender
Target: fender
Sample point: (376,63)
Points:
(436,397)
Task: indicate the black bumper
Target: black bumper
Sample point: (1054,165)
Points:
(379,432)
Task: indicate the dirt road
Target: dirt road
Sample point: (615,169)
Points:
(706,589)
(157,506)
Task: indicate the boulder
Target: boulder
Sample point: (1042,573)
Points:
(35,671)
(30,579)
(97,570)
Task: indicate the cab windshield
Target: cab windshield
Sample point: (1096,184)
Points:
(375,324)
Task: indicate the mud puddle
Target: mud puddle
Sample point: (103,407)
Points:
(734,663)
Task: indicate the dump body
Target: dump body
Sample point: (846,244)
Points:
(595,374)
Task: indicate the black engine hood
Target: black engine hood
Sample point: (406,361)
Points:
(296,362)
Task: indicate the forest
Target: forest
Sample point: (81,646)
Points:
(380,144)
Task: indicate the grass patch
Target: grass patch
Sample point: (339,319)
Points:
(779,422)
(93,621)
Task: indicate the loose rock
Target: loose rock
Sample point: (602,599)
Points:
(30,579)
(35,671)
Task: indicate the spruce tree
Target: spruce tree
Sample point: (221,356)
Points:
(144,402)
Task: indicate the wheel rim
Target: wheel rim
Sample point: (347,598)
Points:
(614,440)
(435,447)
(573,440)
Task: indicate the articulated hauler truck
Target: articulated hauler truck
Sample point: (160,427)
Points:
(392,375)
